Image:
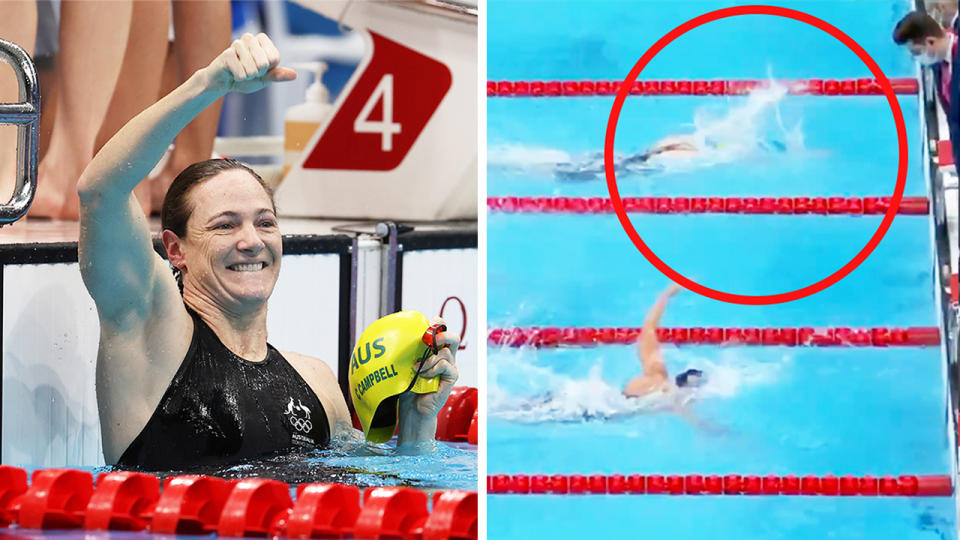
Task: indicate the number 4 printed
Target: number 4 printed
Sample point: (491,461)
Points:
(398,87)
(386,127)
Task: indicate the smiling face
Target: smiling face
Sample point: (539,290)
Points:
(232,248)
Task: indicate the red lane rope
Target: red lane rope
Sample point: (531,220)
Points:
(792,337)
(812,87)
(732,484)
(190,504)
(710,205)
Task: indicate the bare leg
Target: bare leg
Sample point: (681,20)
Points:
(49,84)
(18,24)
(93,37)
(171,72)
(202,31)
(140,75)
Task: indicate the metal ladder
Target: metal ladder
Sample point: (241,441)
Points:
(26,116)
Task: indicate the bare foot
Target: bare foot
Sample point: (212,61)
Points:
(70,208)
(8,179)
(49,198)
(160,184)
(71,205)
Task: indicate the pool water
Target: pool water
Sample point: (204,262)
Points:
(765,410)
(448,466)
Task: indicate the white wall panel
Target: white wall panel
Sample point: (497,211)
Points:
(50,336)
(303,315)
(432,277)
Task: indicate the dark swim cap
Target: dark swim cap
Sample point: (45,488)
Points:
(682,379)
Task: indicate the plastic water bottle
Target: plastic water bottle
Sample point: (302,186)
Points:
(302,121)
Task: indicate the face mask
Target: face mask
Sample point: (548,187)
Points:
(927,59)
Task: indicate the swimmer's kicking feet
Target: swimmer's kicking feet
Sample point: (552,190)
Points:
(654,379)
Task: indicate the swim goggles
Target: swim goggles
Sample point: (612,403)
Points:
(430,339)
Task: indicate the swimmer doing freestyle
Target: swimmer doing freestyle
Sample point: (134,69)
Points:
(184,373)
(676,147)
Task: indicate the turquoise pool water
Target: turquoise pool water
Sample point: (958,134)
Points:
(767,410)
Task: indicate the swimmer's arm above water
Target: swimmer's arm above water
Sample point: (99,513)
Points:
(111,222)
(674,143)
(650,357)
(653,370)
(418,412)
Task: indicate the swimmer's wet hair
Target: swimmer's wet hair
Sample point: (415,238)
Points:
(177,208)
(682,379)
(916,26)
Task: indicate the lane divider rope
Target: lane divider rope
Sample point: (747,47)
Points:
(191,504)
(812,87)
(710,205)
(792,337)
(731,484)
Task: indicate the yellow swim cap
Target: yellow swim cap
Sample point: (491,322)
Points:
(382,368)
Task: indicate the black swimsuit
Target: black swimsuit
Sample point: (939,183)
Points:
(221,408)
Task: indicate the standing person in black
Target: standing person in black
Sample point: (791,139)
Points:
(936,48)
(187,377)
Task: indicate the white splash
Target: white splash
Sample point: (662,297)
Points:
(745,129)
(558,398)
(521,391)
(528,159)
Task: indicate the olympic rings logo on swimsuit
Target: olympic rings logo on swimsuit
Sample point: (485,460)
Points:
(302,424)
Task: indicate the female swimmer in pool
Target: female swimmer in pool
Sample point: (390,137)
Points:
(653,377)
(185,375)
(656,159)
(654,381)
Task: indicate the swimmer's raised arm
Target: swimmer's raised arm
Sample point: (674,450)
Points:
(650,357)
(674,143)
(122,276)
(653,370)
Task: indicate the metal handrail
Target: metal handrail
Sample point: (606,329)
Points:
(388,230)
(453,9)
(26,116)
(449,8)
